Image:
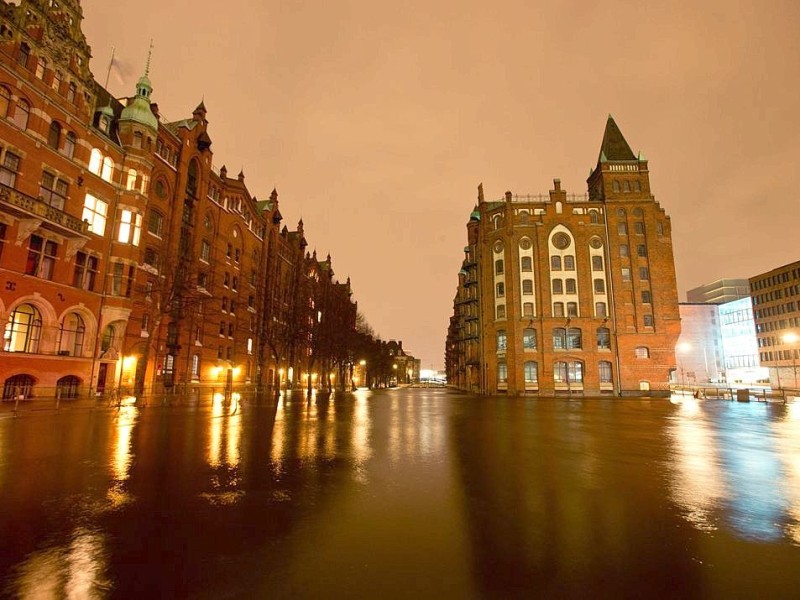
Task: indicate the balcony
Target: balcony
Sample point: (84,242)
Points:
(54,219)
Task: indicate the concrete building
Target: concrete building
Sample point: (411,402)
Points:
(565,293)
(776,308)
(719,292)
(740,344)
(699,352)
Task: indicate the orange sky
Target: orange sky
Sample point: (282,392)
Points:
(376,121)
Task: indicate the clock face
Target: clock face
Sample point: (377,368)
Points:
(596,243)
(525,244)
(561,241)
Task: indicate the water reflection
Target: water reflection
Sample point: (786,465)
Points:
(76,570)
(224,452)
(697,484)
(787,432)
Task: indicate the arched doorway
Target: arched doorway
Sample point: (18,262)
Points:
(18,387)
(67,387)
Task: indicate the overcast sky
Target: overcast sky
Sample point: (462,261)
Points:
(376,121)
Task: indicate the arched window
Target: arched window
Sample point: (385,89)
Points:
(72,92)
(96,161)
(569,263)
(527,309)
(600,309)
(527,286)
(531,372)
(558,309)
(501,290)
(137,139)
(131,183)
(498,267)
(626,186)
(604,367)
(642,352)
(571,286)
(18,387)
(107,340)
(529,338)
(195,366)
(502,340)
(502,372)
(603,338)
(526,263)
(555,263)
(615,186)
(574,341)
(559,338)
(572,309)
(108,169)
(647,297)
(5,100)
(69,145)
(599,286)
(501,311)
(67,387)
(593,218)
(558,286)
(22,113)
(54,135)
(597,263)
(23,330)
(71,334)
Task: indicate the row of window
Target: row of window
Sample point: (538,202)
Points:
(565,338)
(792,290)
(776,279)
(774,311)
(773,355)
(778,325)
(563,372)
(41,72)
(19,114)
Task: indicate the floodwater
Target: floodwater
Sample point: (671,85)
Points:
(404,493)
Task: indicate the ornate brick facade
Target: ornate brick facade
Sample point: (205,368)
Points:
(569,293)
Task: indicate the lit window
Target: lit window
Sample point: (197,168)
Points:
(95,212)
(23,329)
(96,161)
(131,183)
(108,169)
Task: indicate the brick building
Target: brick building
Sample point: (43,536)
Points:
(563,293)
(126,258)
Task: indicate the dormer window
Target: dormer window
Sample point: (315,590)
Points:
(105,124)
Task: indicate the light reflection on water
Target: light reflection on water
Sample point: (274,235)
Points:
(431,493)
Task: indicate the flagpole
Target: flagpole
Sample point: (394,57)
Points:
(110,64)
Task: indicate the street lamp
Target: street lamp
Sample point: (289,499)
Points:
(792,338)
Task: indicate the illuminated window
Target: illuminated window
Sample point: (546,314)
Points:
(108,169)
(23,330)
(95,212)
(131,183)
(96,161)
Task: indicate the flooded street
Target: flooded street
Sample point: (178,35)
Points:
(403,493)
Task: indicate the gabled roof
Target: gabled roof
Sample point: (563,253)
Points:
(614,147)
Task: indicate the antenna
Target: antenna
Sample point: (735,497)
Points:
(110,64)
(149,56)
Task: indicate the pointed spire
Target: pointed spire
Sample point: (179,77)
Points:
(614,147)
(274,195)
(149,56)
(241,174)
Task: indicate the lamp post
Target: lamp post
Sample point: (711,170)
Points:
(792,338)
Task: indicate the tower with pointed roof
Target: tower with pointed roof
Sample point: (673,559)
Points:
(568,293)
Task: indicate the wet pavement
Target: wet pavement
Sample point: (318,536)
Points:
(402,493)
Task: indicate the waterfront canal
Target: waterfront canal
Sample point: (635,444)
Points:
(402,493)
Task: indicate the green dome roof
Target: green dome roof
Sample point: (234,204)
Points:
(138,109)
